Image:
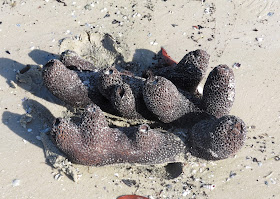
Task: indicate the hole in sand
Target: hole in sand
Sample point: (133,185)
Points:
(173,170)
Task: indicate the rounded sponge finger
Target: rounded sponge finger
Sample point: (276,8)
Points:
(215,139)
(219,91)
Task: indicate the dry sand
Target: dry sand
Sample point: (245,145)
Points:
(245,32)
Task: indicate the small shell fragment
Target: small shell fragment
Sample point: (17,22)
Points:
(232,174)
(268,175)
(270,14)
(58,176)
(13,84)
(272,181)
(207,10)
(153,43)
(266,182)
(236,65)
(208,186)
(186,192)
(15,183)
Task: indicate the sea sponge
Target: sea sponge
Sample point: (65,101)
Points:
(219,91)
(108,79)
(72,60)
(75,88)
(124,101)
(79,84)
(92,142)
(163,98)
(215,139)
(171,98)
(188,73)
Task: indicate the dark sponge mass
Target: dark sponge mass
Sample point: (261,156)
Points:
(93,142)
(163,98)
(124,91)
(72,60)
(219,91)
(215,139)
(168,95)
(108,79)
(72,87)
(124,101)
(156,147)
(188,72)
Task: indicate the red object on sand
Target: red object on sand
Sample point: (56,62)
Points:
(168,60)
(132,197)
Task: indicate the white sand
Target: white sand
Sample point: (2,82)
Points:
(30,32)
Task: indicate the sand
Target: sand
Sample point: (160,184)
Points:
(245,32)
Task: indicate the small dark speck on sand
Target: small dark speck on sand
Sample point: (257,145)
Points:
(59,1)
(129,182)
(115,21)
(232,174)
(107,15)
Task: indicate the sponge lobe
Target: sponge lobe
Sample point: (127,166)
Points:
(219,91)
(163,98)
(72,87)
(215,139)
(93,142)
(188,72)
(72,60)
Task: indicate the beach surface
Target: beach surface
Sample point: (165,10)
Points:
(241,34)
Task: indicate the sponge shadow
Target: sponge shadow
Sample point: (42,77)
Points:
(41,118)
(10,68)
